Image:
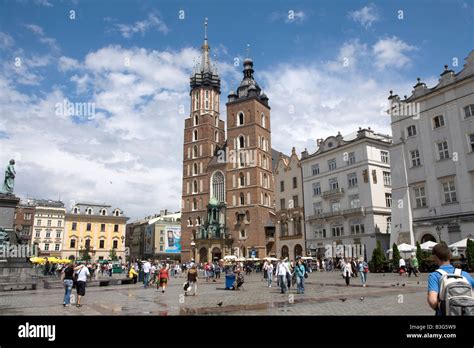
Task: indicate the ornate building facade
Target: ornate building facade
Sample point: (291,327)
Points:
(227,197)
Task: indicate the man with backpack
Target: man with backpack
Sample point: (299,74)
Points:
(449,289)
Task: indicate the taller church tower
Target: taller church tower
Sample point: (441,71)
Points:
(250,183)
(203,134)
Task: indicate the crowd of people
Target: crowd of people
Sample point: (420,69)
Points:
(284,272)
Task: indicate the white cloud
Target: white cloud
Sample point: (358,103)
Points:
(134,140)
(39,31)
(141,27)
(43,3)
(349,56)
(365,16)
(392,52)
(67,63)
(6,40)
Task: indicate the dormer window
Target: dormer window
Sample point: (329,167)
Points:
(103,212)
(89,211)
(76,210)
(117,212)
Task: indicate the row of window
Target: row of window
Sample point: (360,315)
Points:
(56,247)
(297,227)
(439,121)
(89,227)
(26,216)
(207,101)
(442,151)
(90,211)
(448,193)
(48,234)
(294,182)
(196,138)
(87,243)
(348,158)
(240,119)
(293,203)
(351,182)
(356,227)
(354,202)
(196,121)
(49,223)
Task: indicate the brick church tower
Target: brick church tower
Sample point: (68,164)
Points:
(250,183)
(203,134)
(228,185)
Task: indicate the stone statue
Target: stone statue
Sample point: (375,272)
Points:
(9,181)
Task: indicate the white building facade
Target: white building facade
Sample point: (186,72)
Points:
(347,195)
(433,160)
(48,228)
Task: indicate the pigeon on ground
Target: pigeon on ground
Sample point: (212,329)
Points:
(398,284)
(362,298)
(219,304)
(403,284)
(343,299)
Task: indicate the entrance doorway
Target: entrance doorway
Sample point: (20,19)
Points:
(203,255)
(216,254)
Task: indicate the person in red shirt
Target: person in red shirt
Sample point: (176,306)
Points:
(163,276)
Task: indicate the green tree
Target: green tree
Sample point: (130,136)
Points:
(84,253)
(395,256)
(470,253)
(113,255)
(378,257)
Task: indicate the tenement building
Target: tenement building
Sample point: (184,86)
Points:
(227,192)
(433,159)
(48,228)
(94,231)
(290,226)
(347,195)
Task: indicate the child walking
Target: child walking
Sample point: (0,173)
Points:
(163,276)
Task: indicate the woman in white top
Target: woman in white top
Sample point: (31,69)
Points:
(402,268)
(346,270)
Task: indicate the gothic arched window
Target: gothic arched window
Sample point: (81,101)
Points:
(217,186)
(263,120)
(195,186)
(195,135)
(195,169)
(196,120)
(242,179)
(241,142)
(240,119)
(242,199)
(195,151)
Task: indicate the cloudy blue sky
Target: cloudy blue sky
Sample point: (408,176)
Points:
(332,62)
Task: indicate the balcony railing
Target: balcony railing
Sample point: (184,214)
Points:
(345,212)
(334,192)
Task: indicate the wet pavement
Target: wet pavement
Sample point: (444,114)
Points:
(325,294)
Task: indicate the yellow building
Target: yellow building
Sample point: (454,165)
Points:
(96,228)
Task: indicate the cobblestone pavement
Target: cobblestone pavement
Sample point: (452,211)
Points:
(326,294)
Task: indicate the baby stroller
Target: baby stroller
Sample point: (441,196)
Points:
(239,281)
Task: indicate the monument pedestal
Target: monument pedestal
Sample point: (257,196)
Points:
(12,269)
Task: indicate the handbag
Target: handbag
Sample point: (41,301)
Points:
(306,275)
